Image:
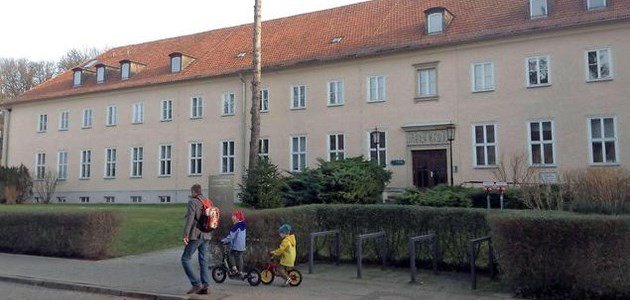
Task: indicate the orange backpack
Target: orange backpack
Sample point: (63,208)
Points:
(209,219)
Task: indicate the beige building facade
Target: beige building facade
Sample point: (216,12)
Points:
(533,95)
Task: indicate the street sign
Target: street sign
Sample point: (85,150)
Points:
(549,178)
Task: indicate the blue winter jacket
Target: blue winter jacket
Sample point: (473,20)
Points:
(236,238)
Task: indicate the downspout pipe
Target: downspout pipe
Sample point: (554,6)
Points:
(5,136)
(243,121)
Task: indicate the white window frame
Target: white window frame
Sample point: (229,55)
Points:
(84,199)
(137,116)
(165,160)
(262,146)
(196,107)
(111,116)
(125,70)
(486,87)
(542,142)
(228,104)
(337,151)
(166,110)
(369,149)
(195,163)
(62,165)
(64,120)
(227,159)
(485,144)
(430,29)
(136,159)
(301,97)
(531,9)
(302,156)
(100,74)
(135,199)
(427,84)
(87,118)
(111,163)
(42,123)
(176,68)
(380,91)
(590,7)
(611,74)
(109,199)
(264,100)
(538,77)
(336,92)
(40,166)
(603,141)
(85,164)
(77,78)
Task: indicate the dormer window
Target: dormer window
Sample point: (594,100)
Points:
(596,4)
(176,62)
(100,73)
(538,8)
(125,69)
(437,19)
(77,78)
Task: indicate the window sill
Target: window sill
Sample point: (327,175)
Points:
(298,108)
(599,80)
(164,176)
(336,105)
(486,167)
(595,165)
(137,123)
(196,118)
(194,175)
(483,91)
(166,121)
(63,129)
(264,111)
(135,177)
(41,131)
(426,99)
(62,179)
(538,17)
(112,125)
(376,101)
(227,115)
(109,178)
(541,166)
(89,127)
(535,86)
(84,178)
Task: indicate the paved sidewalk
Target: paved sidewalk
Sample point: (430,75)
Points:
(161,273)
(16,291)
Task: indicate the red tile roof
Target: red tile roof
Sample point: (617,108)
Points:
(368,28)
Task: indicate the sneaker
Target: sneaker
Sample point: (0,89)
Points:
(204,291)
(194,289)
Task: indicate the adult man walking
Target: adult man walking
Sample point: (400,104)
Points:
(196,240)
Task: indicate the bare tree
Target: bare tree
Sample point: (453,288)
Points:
(46,187)
(19,75)
(516,170)
(74,57)
(255,111)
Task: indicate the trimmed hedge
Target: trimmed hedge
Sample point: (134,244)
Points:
(454,226)
(86,235)
(563,255)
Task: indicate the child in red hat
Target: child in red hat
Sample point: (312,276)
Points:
(236,241)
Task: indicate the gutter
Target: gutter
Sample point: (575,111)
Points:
(243,121)
(5,136)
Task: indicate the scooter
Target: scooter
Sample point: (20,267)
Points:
(224,270)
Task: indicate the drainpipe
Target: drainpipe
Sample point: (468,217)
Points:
(5,137)
(243,121)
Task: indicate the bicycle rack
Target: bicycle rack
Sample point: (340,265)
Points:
(473,258)
(311,245)
(360,238)
(428,238)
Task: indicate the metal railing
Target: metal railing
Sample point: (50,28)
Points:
(474,243)
(311,245)
(428,238)
(360,238)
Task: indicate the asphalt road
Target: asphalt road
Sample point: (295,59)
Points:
(13,291)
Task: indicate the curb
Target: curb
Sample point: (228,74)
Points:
(87,288)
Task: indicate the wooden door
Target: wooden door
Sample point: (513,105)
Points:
(429,168)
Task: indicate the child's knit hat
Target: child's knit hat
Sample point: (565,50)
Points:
(239,215)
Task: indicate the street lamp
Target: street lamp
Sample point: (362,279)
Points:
(450,136)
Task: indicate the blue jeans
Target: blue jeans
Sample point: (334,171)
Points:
(203,246)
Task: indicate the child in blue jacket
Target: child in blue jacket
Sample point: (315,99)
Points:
(236,240)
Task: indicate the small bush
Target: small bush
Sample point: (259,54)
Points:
(439,196)
(263,186)
(86,235)
(604,190)
(512,199)
(349,181)
(563,255)
(18,184)
(454,226)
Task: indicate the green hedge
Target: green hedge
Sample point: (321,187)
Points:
(562,255)
(86,235)
(454,226)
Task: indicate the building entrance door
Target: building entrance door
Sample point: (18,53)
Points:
(429,168)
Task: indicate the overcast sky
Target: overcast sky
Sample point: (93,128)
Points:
(45,29)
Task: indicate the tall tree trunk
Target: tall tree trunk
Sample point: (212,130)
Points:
(255,111)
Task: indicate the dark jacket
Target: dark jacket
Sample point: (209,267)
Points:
(191,228)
